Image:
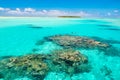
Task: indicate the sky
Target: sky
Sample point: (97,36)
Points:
(85,8)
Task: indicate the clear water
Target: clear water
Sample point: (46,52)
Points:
(17,38)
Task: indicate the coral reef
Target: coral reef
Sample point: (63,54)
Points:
(29,65)
(75,42)
(36,66)
(69,61)
(69,41)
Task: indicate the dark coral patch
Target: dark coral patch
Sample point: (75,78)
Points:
(33,26)
(113,29)
(110,41)
(104,25)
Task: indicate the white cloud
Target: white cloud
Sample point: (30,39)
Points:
(44,11)
(81,13)
(4,9)
(116,11)
(16,12)
(1,9)
(13,12)
(56,13)
(34,12)
(109,14)
(29,10)
(18,9)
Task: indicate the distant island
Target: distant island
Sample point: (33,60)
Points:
(69,16)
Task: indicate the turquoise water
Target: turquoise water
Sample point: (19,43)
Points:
(18,36)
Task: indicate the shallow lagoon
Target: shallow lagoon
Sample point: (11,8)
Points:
(19,36)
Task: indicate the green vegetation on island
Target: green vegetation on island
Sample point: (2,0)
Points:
(69,16)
